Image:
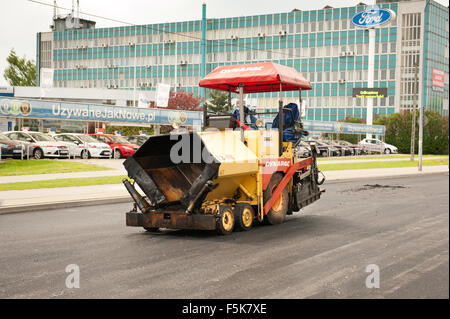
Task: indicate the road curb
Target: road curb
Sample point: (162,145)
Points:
(66,204)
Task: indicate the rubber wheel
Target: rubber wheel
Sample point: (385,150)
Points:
(324,154)
(38,154)
(225,221)
(152,229)
(117,154)
(277,213)
(387,151)
(243,216)
(85,154)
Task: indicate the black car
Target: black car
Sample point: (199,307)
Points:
(327,150)
(9,148)
(357,150)
(137,139)
(344,150)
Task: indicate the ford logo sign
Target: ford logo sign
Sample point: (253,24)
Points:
(373,18)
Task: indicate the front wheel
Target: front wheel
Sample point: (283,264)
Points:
(243,215)
(38,154)
(225,221)
(387,151)
(85,154)
(117,154)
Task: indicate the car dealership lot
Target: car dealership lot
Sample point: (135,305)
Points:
(399,224)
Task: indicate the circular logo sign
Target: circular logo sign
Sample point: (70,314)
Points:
(5,107)
(373,18)
(25,108)
(15,107)
(177,117)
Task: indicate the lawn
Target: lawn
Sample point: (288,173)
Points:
(346,158)
(381,164)
(67,182)
(31,167)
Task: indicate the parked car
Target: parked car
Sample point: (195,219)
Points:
(342,149)
(9,148)
(119,146)
(373,145)
(357,149)
(86,146)
(137,139)
(40,145)
(327,150)
(304,149)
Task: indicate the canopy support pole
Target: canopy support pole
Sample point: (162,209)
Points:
(300,103)
(280,123)
(229,98)
(241,112)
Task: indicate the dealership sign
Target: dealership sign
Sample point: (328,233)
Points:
(344,128)
(373,17)
(371,93)
(6,91)
(90,112)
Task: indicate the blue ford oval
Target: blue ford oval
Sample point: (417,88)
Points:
(372,18)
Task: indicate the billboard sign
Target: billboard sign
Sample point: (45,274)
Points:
(438,80)
(344,128)
(46,80)
(373,17)
(91,112)
(371,93)
(162,94)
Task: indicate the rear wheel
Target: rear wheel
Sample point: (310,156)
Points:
(277,213)
(225,221)
(243,216)
(38,154)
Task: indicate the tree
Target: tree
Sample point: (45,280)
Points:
(398,131)
(181,100)
(218,102)
(435,134)
(20,72)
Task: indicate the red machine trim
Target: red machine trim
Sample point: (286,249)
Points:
(302,165)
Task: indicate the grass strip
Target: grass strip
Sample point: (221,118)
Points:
(31,167)
(386,164)
(347,158)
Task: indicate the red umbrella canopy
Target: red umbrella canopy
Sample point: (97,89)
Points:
(255,77)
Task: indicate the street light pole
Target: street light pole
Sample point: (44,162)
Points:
(420,136)
(413,126)
(370,73)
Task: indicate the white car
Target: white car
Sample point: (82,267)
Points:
(40,145)
(373,145)
(86,146)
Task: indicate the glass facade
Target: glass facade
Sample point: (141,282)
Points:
(322,44)
(435,57)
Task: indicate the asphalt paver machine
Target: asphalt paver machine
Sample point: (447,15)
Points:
(231,173)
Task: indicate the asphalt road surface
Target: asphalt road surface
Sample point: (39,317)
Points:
(323,252)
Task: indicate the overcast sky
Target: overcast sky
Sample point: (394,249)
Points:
(20,20)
